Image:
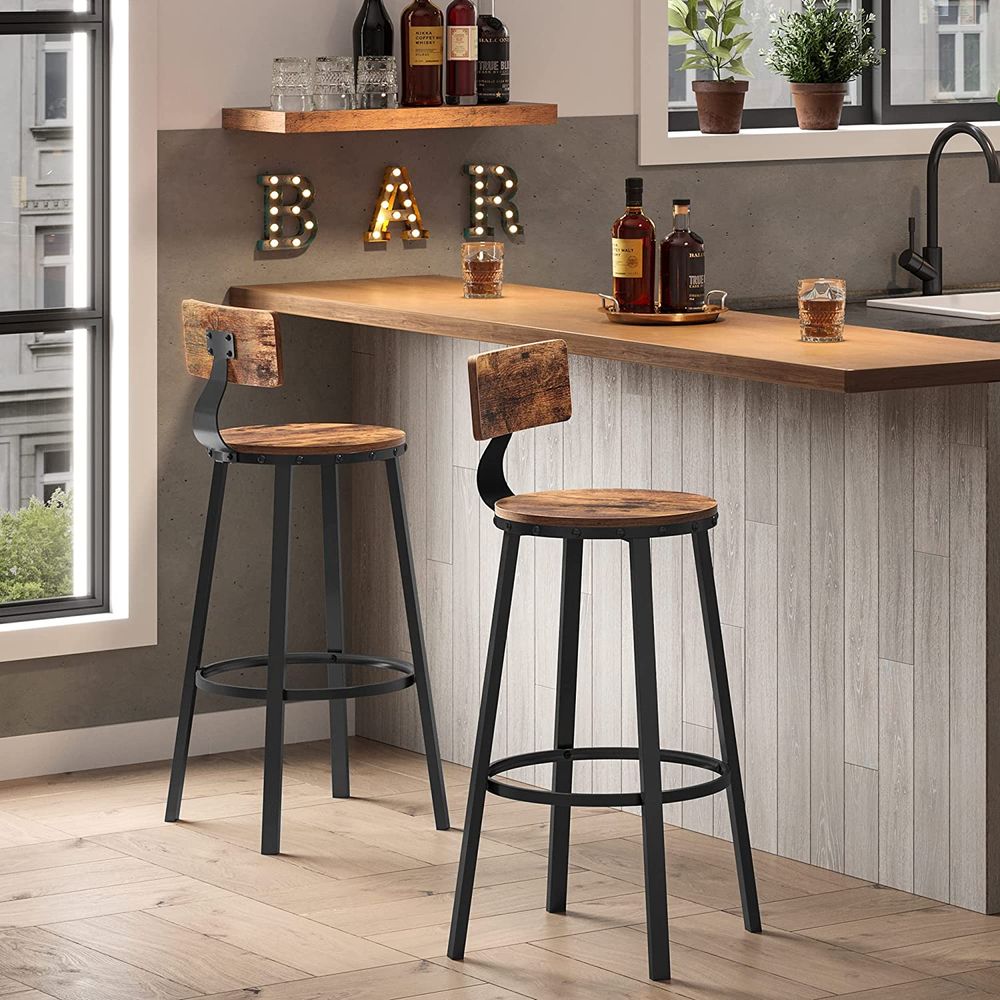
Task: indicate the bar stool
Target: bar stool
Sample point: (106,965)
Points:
(514,390)
(243,346)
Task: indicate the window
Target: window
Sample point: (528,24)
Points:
(942,65)
(54,300)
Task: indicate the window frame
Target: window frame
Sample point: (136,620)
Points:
(95,317)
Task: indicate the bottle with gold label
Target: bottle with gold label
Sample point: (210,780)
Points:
(682,265)
(633,254)
(423,55)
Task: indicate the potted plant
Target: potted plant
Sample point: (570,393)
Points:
(820,50)
(710,30)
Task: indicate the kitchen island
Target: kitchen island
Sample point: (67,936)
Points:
(856,561)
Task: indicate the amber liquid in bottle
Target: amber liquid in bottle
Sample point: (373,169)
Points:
(682,265)
(633,254)
(462,45)
(423,55)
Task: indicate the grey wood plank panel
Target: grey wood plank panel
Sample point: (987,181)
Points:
(968,414)
(968,676)
(931,728)
(698,419)
(729,489)
(440,444)
(606,696)
(930,475)
(861,822)
(992,501)
(466,652)
(762,453)
(667,463)
(896,775)
(861,569)
(760,744)
(827,630)
(438,623)
(465,448)
(896,526)
(794,692)
(734,642)
(547,557)
(698,813)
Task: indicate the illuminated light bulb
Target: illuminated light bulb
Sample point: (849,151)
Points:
(411,218)
(274,180)
(480,201)
(274,243)
(275,227)
(404,187)
(510,213)
(390,188)
(385,204)
(480,216)
(376,235)
(498,200)
(397,172)
(397,215)
(480,185)
(296,242)
(415,234)
(408,203)
(479,230)
(499,170)
(306,193)
(296,181)
(510,184)
(513,229)
(480,170)
(274,211)
(310,225)
(296,210)
(275,195)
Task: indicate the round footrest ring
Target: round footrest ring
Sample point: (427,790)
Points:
(544,797)
(403,670)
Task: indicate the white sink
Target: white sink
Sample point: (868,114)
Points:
(968,305)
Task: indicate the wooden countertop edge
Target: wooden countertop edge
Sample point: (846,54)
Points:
(777,372)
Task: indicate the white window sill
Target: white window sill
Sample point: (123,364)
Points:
(757,145)
(30,640)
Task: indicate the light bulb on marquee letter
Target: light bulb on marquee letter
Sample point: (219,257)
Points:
(492,188)
(278,234)
(396,203)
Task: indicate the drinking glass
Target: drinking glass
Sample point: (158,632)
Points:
(291,84)
(377,82)
(333,83)
(482,270)
(822,309)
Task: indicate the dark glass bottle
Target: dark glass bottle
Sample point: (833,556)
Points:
(462,45)
(633,254)
(373,31)
(682,265)
(493,76)
(423,55)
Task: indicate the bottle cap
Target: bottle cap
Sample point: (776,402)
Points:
(633,190)
(682,202)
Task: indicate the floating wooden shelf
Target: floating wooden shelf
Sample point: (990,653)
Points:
(388,119)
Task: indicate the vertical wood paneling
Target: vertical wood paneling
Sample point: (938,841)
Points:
(827,630)
(729,489)
(967,405)
(733,641)
(861,822)
(437,611)
(993,645)
(896,775)
(466,651)
(699,813)
(440,445)
(930,475)
(896,526)
(762,452)
(861,593)
(794,693)
(931,728)
(548,557)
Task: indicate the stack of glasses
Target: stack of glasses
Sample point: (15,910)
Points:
(330,84)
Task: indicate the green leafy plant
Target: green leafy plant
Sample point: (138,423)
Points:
(822,44)
(36,550)
(710,29)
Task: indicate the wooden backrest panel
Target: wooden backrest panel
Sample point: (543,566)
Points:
(256,334)
(519,388)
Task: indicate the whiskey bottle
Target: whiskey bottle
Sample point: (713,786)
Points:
(373,34)
(462,53)
(493,76)
(633,254)
(423,55)
(682,265)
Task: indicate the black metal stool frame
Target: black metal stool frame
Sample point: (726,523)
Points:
(276,693)
(493,487)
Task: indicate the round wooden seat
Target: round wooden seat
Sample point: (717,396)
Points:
(312,439)
(606,508)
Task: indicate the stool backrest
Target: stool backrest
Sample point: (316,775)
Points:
(256,338)
(519,388)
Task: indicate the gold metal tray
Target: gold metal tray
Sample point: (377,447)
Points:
(712,313)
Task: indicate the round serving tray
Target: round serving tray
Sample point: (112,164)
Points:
(712,313)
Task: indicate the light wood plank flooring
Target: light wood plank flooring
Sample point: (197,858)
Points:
(99,900)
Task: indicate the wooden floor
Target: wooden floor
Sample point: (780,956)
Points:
(99,900)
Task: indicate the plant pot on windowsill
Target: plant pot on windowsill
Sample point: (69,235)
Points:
(819,106)
(720,105)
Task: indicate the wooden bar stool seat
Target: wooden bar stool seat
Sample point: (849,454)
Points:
(243,346)
(313,439)
(606,508)
(519,389)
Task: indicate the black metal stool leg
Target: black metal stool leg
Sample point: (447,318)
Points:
(199,621)
(484,747)
(562,772)
(657,932)
(727,730)
(336,673)
(274,735)
(420,673)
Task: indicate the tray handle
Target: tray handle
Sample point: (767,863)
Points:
(723,296)
(609,303)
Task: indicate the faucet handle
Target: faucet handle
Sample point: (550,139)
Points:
(913,234)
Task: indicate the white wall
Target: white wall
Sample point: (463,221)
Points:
(216,53)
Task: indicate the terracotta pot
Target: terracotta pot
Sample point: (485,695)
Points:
(819,106)
(720,105)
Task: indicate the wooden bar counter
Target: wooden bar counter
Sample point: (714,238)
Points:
(857,559)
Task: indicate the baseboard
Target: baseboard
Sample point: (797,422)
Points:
(138,742)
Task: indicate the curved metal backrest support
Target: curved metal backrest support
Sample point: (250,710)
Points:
(222,347)
(490,479)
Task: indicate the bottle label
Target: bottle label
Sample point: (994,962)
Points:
(463,43)
(426,46)
(626,258)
